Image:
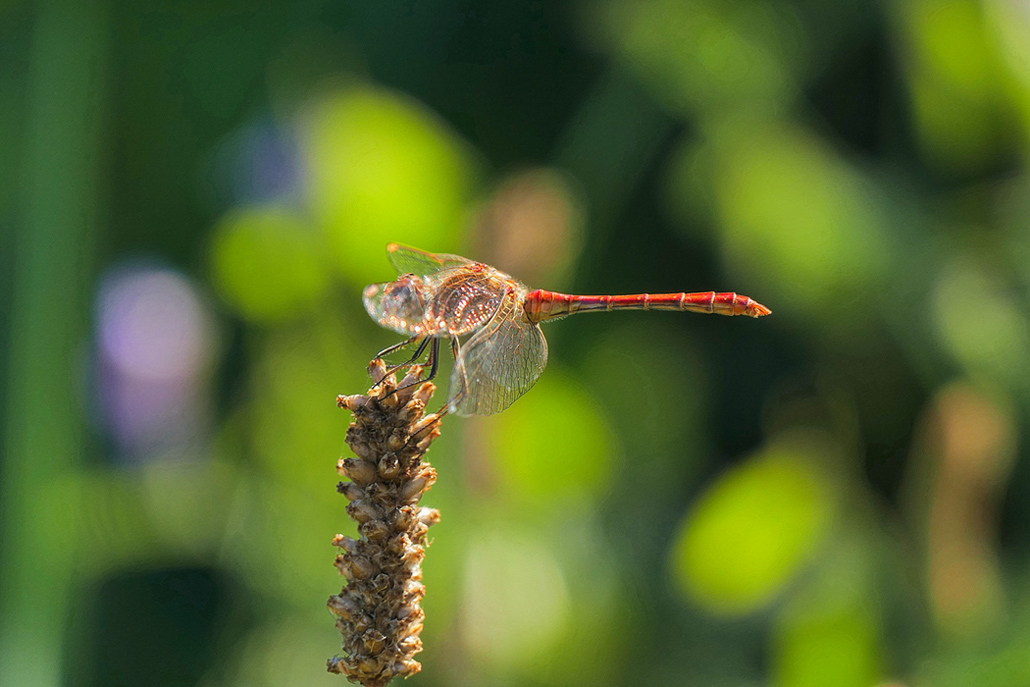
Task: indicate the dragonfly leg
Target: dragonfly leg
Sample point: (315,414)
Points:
(433,361)
(418,354)
(396,347)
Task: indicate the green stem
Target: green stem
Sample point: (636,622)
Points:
(50,295)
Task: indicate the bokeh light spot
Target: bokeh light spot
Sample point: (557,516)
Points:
(266,263)
(828,641)
(794,216)
(152,324)
(553,444)
(257,163)
(708,55)
(156,339)
(528,617)
(382,168)
(958,86)
(982,325)
(752,530)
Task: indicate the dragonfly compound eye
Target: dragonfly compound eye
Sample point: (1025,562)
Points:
(399,305)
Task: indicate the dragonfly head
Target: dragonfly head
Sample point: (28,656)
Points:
(398,305)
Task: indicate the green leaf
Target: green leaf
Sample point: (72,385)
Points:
(753,530)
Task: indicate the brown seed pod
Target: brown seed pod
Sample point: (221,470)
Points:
(378,611)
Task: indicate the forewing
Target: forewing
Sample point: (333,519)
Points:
(408,260)
(500,363)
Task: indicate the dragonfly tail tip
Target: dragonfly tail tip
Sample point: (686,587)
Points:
(758,310)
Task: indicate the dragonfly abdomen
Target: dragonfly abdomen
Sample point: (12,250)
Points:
(548,305)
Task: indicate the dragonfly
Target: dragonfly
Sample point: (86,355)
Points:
(440,296)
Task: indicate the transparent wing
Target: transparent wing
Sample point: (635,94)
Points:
(408,260)
(500,363)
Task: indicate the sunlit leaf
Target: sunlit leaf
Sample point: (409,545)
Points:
(382,168)
(708,54)
(796,219)
(506,628)
(266,263)
(753,530)
(828,639)
(554,443)
(982,324)
(957,82)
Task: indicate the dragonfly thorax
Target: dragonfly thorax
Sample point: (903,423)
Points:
(463,300)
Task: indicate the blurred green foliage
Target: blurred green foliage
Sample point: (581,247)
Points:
(832,496)
(267,263)
(381,165)
(754,528)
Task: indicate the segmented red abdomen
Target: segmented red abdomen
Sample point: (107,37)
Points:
(548,305)
(543,305)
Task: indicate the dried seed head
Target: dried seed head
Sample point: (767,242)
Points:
(404,517)
(424,393)
(378,610)
(427,421)
(411,492)
(363,449)
(410,380)
(427,439)
(411,410)
(413,555)
(428,516)
(361,471)
(396,440)
(362,567)
(343,606)
(377,370)
(352,403)
(374,641)
(399,544)
(390,401)
(347,543)
(416,628)
(362,623)
(351,490)
(375,530)
(410,643)
(364,510)
(409,667)
(389,466)
(381,582)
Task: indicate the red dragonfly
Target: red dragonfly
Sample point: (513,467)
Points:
(441,296)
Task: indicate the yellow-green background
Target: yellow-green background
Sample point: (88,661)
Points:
(837,495)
